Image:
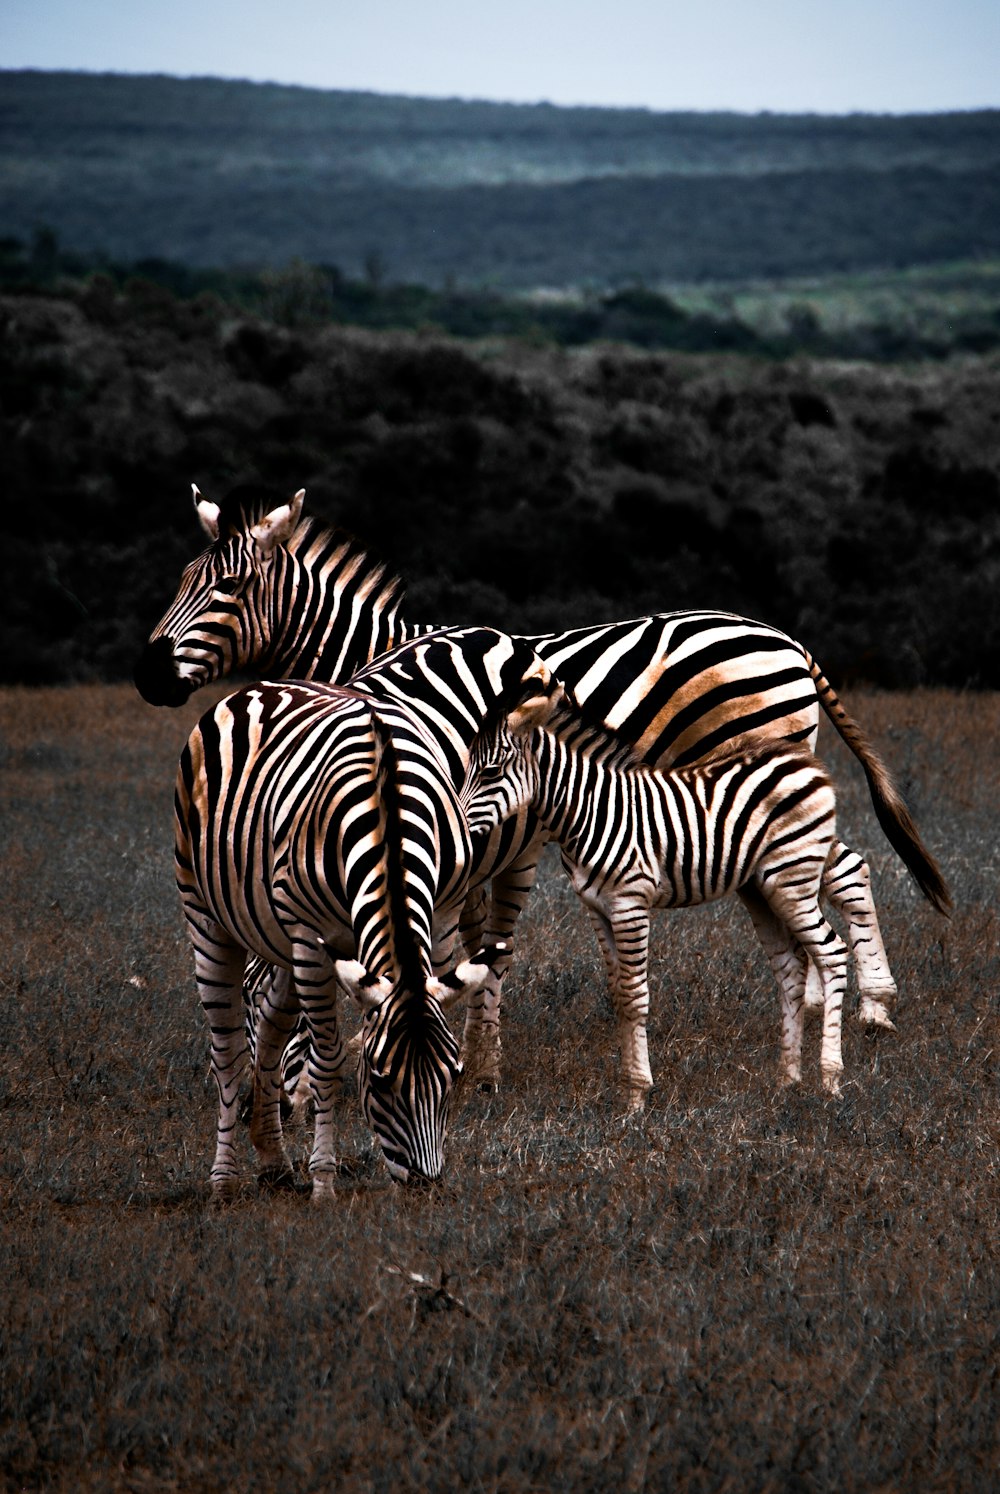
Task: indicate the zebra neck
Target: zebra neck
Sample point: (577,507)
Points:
(321,632)
(574,791)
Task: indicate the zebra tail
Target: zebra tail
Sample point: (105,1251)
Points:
(406,950)
(889,804)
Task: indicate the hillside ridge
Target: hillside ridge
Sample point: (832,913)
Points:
(228,172)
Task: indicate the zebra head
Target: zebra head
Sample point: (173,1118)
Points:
(220,619)
(503,775)
(409,1060)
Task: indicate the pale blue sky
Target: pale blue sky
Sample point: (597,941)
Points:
(828,56)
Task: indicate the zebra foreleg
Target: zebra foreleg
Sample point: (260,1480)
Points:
(294,1088)
(623,933)
(317,990)
(481,1045)
(848,886)
(219,965)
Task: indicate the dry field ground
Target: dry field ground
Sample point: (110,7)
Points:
(743,1290)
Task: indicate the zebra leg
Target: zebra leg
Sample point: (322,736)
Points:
(317,990)
(219,964)
(277,1017)
(788,961)
(804,919)
(510,890)
(623,934)
(847,884)
(294,1089)
(472,923)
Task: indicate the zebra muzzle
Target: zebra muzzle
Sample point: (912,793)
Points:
(156,677)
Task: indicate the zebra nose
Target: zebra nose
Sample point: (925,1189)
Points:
(418,1182)
(156,678)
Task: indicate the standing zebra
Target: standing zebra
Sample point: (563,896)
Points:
(758,821)
(282,594)
(317,830)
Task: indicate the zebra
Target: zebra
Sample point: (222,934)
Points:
(758,821)
(316,829)
(284,594)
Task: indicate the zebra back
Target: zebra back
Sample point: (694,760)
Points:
(288,596)
(695,832)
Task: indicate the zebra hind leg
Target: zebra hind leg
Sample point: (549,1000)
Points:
(219,965)
(847,885)
(788,962)
(798,910)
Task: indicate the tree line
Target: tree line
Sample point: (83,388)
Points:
(526,485)
(302,295)
(499,196)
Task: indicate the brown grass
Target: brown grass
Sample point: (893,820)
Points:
(741,1290)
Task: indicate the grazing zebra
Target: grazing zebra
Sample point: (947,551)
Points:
(282,594)
(758,821)
(317,830)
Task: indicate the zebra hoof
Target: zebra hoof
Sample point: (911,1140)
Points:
(322,1185)
(224,1191)
(281,1179)
(874,1017)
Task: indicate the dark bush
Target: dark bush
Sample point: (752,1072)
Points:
(857,508)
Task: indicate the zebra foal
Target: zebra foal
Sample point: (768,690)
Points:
(759,822)
(317,830)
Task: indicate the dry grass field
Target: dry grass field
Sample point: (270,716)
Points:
(743,1290)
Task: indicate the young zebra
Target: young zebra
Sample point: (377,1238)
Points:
(280,594)
(317,830)
(758,822)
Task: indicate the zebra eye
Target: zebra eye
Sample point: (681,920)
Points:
(228,586)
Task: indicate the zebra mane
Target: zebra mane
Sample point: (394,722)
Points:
(244,506)
(410,973)
(579,727)
(248,504)
(572,722)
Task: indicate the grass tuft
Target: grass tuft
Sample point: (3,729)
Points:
(743,1287)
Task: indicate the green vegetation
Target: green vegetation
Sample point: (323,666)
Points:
(884,317)
(857,507)
(744,1289)
(505,197)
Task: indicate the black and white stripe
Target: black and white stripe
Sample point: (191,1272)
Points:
(317,830)
(759,822)
(278,592)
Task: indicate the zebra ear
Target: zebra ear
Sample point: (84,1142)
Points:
(277,527)
(369,991)
(538,708)
(466,979)
(208,513)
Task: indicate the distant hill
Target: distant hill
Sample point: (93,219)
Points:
(208,172)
